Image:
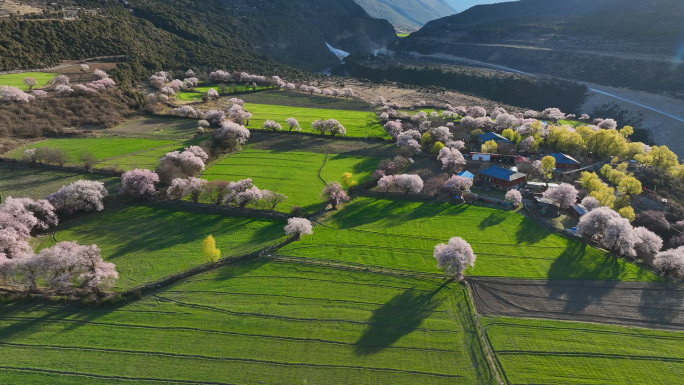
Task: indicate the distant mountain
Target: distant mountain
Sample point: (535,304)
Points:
(407,14)
(642,20)
(624,43)
(210,34)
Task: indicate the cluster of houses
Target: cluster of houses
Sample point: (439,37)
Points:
(507,178)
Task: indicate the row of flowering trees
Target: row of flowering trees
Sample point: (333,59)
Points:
(62,87)
(64,266)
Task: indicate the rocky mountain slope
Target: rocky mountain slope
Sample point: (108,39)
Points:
(407,14)
(624,43)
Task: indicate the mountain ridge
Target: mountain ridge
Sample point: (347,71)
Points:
(406,14)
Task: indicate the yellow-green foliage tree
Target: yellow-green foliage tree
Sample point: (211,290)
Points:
(426,140)
(627,131)
(489,147)
(211,253)
(597,189)
(628,213)
(436,148)
(548,164)
(660,157)
(347,181)
(511,135)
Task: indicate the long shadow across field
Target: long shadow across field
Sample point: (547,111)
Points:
(574,263)
(398,317)
(661,302)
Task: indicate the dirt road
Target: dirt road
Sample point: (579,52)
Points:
(653,305)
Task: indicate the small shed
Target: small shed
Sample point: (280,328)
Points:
(489,136)
(579,210)
(502,178)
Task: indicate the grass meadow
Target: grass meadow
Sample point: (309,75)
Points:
(101,148)
(292,173)
(359,124)
(19,181)
(255,322)
(304,100)
(199,92)
(17,80)
(402,234)
(148,243)
(555,352)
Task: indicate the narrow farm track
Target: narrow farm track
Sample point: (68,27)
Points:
(653,305)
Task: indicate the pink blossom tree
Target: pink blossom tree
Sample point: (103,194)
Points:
(564,195)
(177,164)
(139,183)
(183,187)
(212,93)
(63,89)
(82,195)
(233,101)
(61,79)
(272,125)
(527,144)
(590,203)
(237,114)
(30,83)
(334,194)
(39,94)
(215,117)
(293,124)
(670,261)
(593,224)
(387,182)
(84,67)
(409,140)
(458,183)
(393,128)
(608,124)
(100,74)
(476,112)
(441,134)
(454,257)
(619,237)
(186,111)
(409,183)
(35,215)
(452,160)
(455,144)
(296,227)
(67,264)
(231,135)
(14,94)
(647,244)
(514,197)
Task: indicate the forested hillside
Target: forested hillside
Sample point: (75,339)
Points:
(175,34)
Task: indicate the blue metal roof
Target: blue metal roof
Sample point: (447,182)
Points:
(466,174)
(564,159)
(493,136)
(502,173)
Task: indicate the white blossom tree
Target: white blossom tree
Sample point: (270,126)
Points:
(514,197)
(565,195)
(82,195)
(409,183)
(454,257)
(296,227)
(139,183)
(452,160)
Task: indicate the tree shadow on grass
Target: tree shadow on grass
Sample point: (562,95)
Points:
(398,317)
(493,219)
(530,233)
(581,262)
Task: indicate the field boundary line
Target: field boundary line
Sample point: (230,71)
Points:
(484,341)
(355,266)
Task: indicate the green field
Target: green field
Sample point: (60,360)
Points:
(17,80)
(253,323)
(153,128)
(101,148)
(304,100)
(147,243)
(402,234)
(199,92)
(358,124)
(294,174)
(554,352)
(19,181)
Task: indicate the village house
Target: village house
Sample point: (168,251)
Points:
(489,136)
(565,162)
(502,178)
